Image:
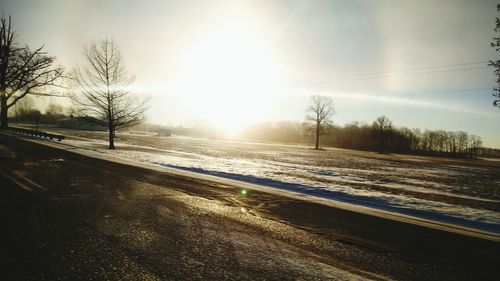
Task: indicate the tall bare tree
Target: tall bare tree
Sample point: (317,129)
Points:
(320,113)
(382,126)
(22,71)
(103,89)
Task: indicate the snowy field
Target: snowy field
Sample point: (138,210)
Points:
(462,192)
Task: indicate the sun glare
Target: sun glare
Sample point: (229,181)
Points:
(229,73)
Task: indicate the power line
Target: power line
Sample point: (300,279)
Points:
(400,72)
(444,91)
(387,76)
(403,70)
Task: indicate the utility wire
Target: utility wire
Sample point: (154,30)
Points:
(400,72)
(407,69)
(444,91)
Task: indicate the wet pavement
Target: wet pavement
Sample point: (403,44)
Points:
(69,217)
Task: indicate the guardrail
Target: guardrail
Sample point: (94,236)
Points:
(35,133)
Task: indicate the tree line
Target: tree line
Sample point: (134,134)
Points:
(381,135)
(25,111)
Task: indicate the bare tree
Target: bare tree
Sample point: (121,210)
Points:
(24,106)
(475,145)
(22,71)
(54,112)
(103,89)
(462,142)
(319,113)
(54,109)
(382,126)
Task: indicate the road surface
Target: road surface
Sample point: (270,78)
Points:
(67,216)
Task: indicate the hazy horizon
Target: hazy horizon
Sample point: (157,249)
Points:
(231,63)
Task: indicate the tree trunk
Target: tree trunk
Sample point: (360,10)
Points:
(111,136)
(381,141)
(317,135)
(3,108)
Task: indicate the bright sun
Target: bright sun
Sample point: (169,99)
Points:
(229,73)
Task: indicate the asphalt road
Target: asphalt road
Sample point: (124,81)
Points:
(65,216)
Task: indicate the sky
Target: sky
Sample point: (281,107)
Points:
(423,63)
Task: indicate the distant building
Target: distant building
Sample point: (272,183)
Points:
(85,123)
